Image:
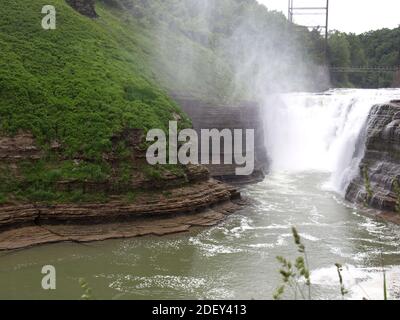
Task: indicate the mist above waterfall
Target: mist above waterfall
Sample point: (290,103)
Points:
(260,57)
(233,50)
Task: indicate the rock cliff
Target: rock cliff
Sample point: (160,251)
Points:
(377,182)
(85,7)
(244,116)
(203,203)
(396,80)
(170,203)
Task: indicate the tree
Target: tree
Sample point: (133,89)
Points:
(339,56)
(357,59)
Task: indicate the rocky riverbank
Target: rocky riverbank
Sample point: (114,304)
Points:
(165,200)
(203,203)
(377,182)
(168,203)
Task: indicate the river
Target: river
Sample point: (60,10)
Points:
(313,142)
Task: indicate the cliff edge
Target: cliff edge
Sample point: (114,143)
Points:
(158,202)
(377,182)
(246,115)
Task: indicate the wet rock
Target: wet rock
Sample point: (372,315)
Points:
(171,203)
(84,7)
(396,80)
(245,116)
(27,236)
(381,160)
(201,204)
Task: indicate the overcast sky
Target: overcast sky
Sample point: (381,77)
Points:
(348,15)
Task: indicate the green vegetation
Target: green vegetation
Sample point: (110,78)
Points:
(201,47)
(87,291)
(86,79)
(200,39)
(396,189)
(156,172)
(79,86)
(295,274)
(367,184)
(343,290)
(385,290)
(3,198)
(91,79)
(374,48)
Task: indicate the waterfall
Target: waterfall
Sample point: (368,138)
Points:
(321,132)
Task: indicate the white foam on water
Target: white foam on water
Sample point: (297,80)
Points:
(362,283)
(309,237)
(262,245)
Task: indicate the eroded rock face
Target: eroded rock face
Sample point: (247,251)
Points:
(30,235)
(186,199)
(381,160)
(21,146)
(245,116)
(201,204)
(396,81)
(85,7)
(172,203)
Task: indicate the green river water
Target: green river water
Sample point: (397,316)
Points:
(234,260)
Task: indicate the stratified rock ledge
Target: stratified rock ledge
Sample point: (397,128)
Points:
(202,204)
(381,163)
(246,115)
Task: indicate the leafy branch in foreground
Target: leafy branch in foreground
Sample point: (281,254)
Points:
(343,290)
(87,291)
(385,291)
(396,188)
(295,275)
(368,187)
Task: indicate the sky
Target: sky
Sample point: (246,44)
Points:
(356,16)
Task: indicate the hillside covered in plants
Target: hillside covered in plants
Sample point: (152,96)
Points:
(75,89)
(374,48)
(74,92)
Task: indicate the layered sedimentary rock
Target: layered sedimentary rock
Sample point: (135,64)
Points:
(245,116)
(26,236)
(171,203)
(203,203)
(21,146)
(396,80)
(378,180)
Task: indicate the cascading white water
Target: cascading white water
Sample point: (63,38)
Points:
(322,132)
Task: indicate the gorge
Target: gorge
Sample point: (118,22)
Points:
(307,194)
(78,193)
